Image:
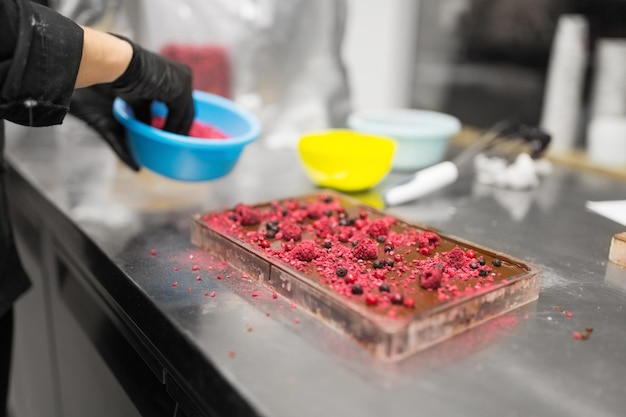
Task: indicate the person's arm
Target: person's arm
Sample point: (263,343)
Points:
(104,59)
(40,53)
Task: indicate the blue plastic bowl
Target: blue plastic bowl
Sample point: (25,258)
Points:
(185,158)
(422,136)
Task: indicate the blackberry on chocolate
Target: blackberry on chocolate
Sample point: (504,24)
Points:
(357,289)
(378,264)
(271,234)
(327,245)
(384,288)
(397,299)
(341,271)
(496,262)
(343,221)
(381,239)
(439,266)
(389,263)
(351,222)
(232,217)
(328,213)
(272,226)
(481,260)
(483,273)
(388,248)
(328,199)
(474,265)
(354,243)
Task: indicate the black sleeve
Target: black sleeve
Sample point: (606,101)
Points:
(40,53)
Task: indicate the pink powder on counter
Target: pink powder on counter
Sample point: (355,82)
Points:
(198,129)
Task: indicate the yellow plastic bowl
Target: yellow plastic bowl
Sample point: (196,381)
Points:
(346,160)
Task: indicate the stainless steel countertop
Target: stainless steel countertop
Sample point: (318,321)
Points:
(525,363)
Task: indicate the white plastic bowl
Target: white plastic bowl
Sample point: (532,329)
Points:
(422,136)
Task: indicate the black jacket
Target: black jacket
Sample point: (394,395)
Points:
(40,53)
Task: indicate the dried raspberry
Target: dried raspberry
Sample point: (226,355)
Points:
(247,215)
(431,278)
(315,210)
(305,251)
(428,240)
(291,232)
(456,258)
(365,249)
(378,228)
(323,228)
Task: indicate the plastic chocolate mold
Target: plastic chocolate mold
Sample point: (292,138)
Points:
(394,320)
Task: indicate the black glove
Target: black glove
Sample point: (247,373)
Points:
(151,77)
(148,77)
(94,106)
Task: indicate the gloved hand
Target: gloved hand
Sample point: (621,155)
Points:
(94,106)
(148,77)
(151,77)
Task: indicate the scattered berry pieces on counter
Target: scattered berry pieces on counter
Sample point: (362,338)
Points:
(153,252)
(576,335)
(174,284)
(195,268)
(274,296)
(296,320)
(212,294)
(198,278)
(231,353)
(568,314)
(255,293)
(175,269)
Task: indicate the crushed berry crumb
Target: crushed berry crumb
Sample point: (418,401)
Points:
(255,293)
(174,284)
(456,258)
(152,252)
(195,268)
(212,294)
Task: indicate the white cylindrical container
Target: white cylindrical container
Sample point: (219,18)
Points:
(606,141)
(565,80)
(609,81)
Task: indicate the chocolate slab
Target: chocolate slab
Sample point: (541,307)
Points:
(389,331)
